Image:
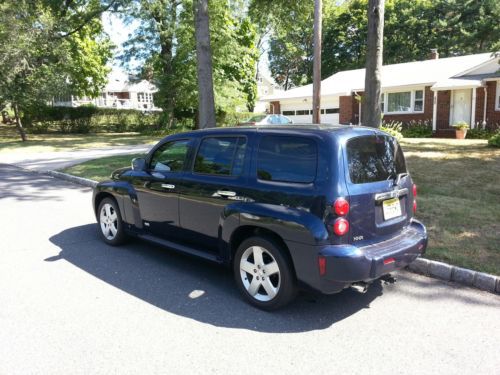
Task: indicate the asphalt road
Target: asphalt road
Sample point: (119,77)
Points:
(71,305)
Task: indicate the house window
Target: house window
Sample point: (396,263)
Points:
(288,113)
(145,97)
(497,98)
(418,103)
(399,102)
(403,102)
(302,112)
(332,110)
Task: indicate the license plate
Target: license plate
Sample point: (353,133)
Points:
(392,208)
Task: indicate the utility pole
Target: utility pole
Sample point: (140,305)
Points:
(372,114)
(318,6)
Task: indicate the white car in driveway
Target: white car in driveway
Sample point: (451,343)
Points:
(268,120)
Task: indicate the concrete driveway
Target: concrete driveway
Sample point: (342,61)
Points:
(71,305)
(50,161)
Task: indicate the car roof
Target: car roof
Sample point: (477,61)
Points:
(343,131)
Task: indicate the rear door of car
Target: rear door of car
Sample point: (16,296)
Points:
(215,180)
(380,190)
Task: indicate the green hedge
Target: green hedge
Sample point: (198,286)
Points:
(87,119)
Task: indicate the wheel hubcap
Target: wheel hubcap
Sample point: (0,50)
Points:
(109,221)
(260,273)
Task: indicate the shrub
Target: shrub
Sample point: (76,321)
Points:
(494,141)
(479,134)
(417,129)
(393,128)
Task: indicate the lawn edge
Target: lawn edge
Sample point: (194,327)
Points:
(71,178)
(423,266)
(448,272)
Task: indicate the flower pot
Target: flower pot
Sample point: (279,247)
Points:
(460,133)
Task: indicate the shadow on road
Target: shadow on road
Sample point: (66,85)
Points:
(24,185)
(196,289)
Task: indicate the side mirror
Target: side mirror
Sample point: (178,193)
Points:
(138,164)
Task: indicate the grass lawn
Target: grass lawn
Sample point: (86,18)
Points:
(100,169)
(10,141)
(458,197)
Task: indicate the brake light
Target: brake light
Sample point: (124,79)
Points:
(340,226)
(341,207)
(414,206)
(414,191)
(389,261)
(322,265)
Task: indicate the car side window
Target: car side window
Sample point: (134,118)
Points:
(287,159)
(170,157)
(220,156)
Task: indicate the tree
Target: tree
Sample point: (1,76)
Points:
(44,54)
(206,103)
(371,112)
(318,6)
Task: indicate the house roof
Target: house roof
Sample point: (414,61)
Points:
(427,72)
(119,81)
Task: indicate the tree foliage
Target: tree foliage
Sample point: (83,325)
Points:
(48,50)
(412,28)
(165,42)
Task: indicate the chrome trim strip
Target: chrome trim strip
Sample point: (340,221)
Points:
(391,194)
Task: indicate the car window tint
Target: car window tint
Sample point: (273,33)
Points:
(287,159)
(220,156)
(170,157)
(374,158)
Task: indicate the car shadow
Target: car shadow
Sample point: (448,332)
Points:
(196,289)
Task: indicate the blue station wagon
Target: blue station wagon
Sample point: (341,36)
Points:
(313,207)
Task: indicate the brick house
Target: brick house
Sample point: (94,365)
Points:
(438,91)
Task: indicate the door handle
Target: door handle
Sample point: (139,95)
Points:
(225,193)
(168,186)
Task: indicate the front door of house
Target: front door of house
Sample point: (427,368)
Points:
(461,106)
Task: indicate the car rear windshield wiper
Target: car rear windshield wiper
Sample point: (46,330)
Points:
(399,177)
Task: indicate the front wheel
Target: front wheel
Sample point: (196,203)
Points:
(264,274)
(110,222)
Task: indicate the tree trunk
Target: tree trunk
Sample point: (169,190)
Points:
(206,105)
(19,125)
(372,115)
(318,6)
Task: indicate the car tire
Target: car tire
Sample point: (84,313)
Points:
(110,222)
(264,274)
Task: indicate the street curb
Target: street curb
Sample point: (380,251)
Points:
(426,267)
(71,178)
(459,275)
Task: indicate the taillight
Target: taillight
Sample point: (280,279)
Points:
(340,226)
(341,207)
(414,198)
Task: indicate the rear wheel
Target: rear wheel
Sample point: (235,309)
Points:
(264,274)
(110,222)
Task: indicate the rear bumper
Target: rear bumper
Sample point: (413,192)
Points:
(346,264)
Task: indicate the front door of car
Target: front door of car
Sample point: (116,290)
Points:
(157,189)
(216,181)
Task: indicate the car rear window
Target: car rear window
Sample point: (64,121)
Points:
(287,159)
(374,158)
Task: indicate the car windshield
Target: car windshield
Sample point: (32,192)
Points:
(256,118)
(374,158)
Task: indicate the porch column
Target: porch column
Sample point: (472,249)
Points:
(434,111)
(473,114)
(485,103)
